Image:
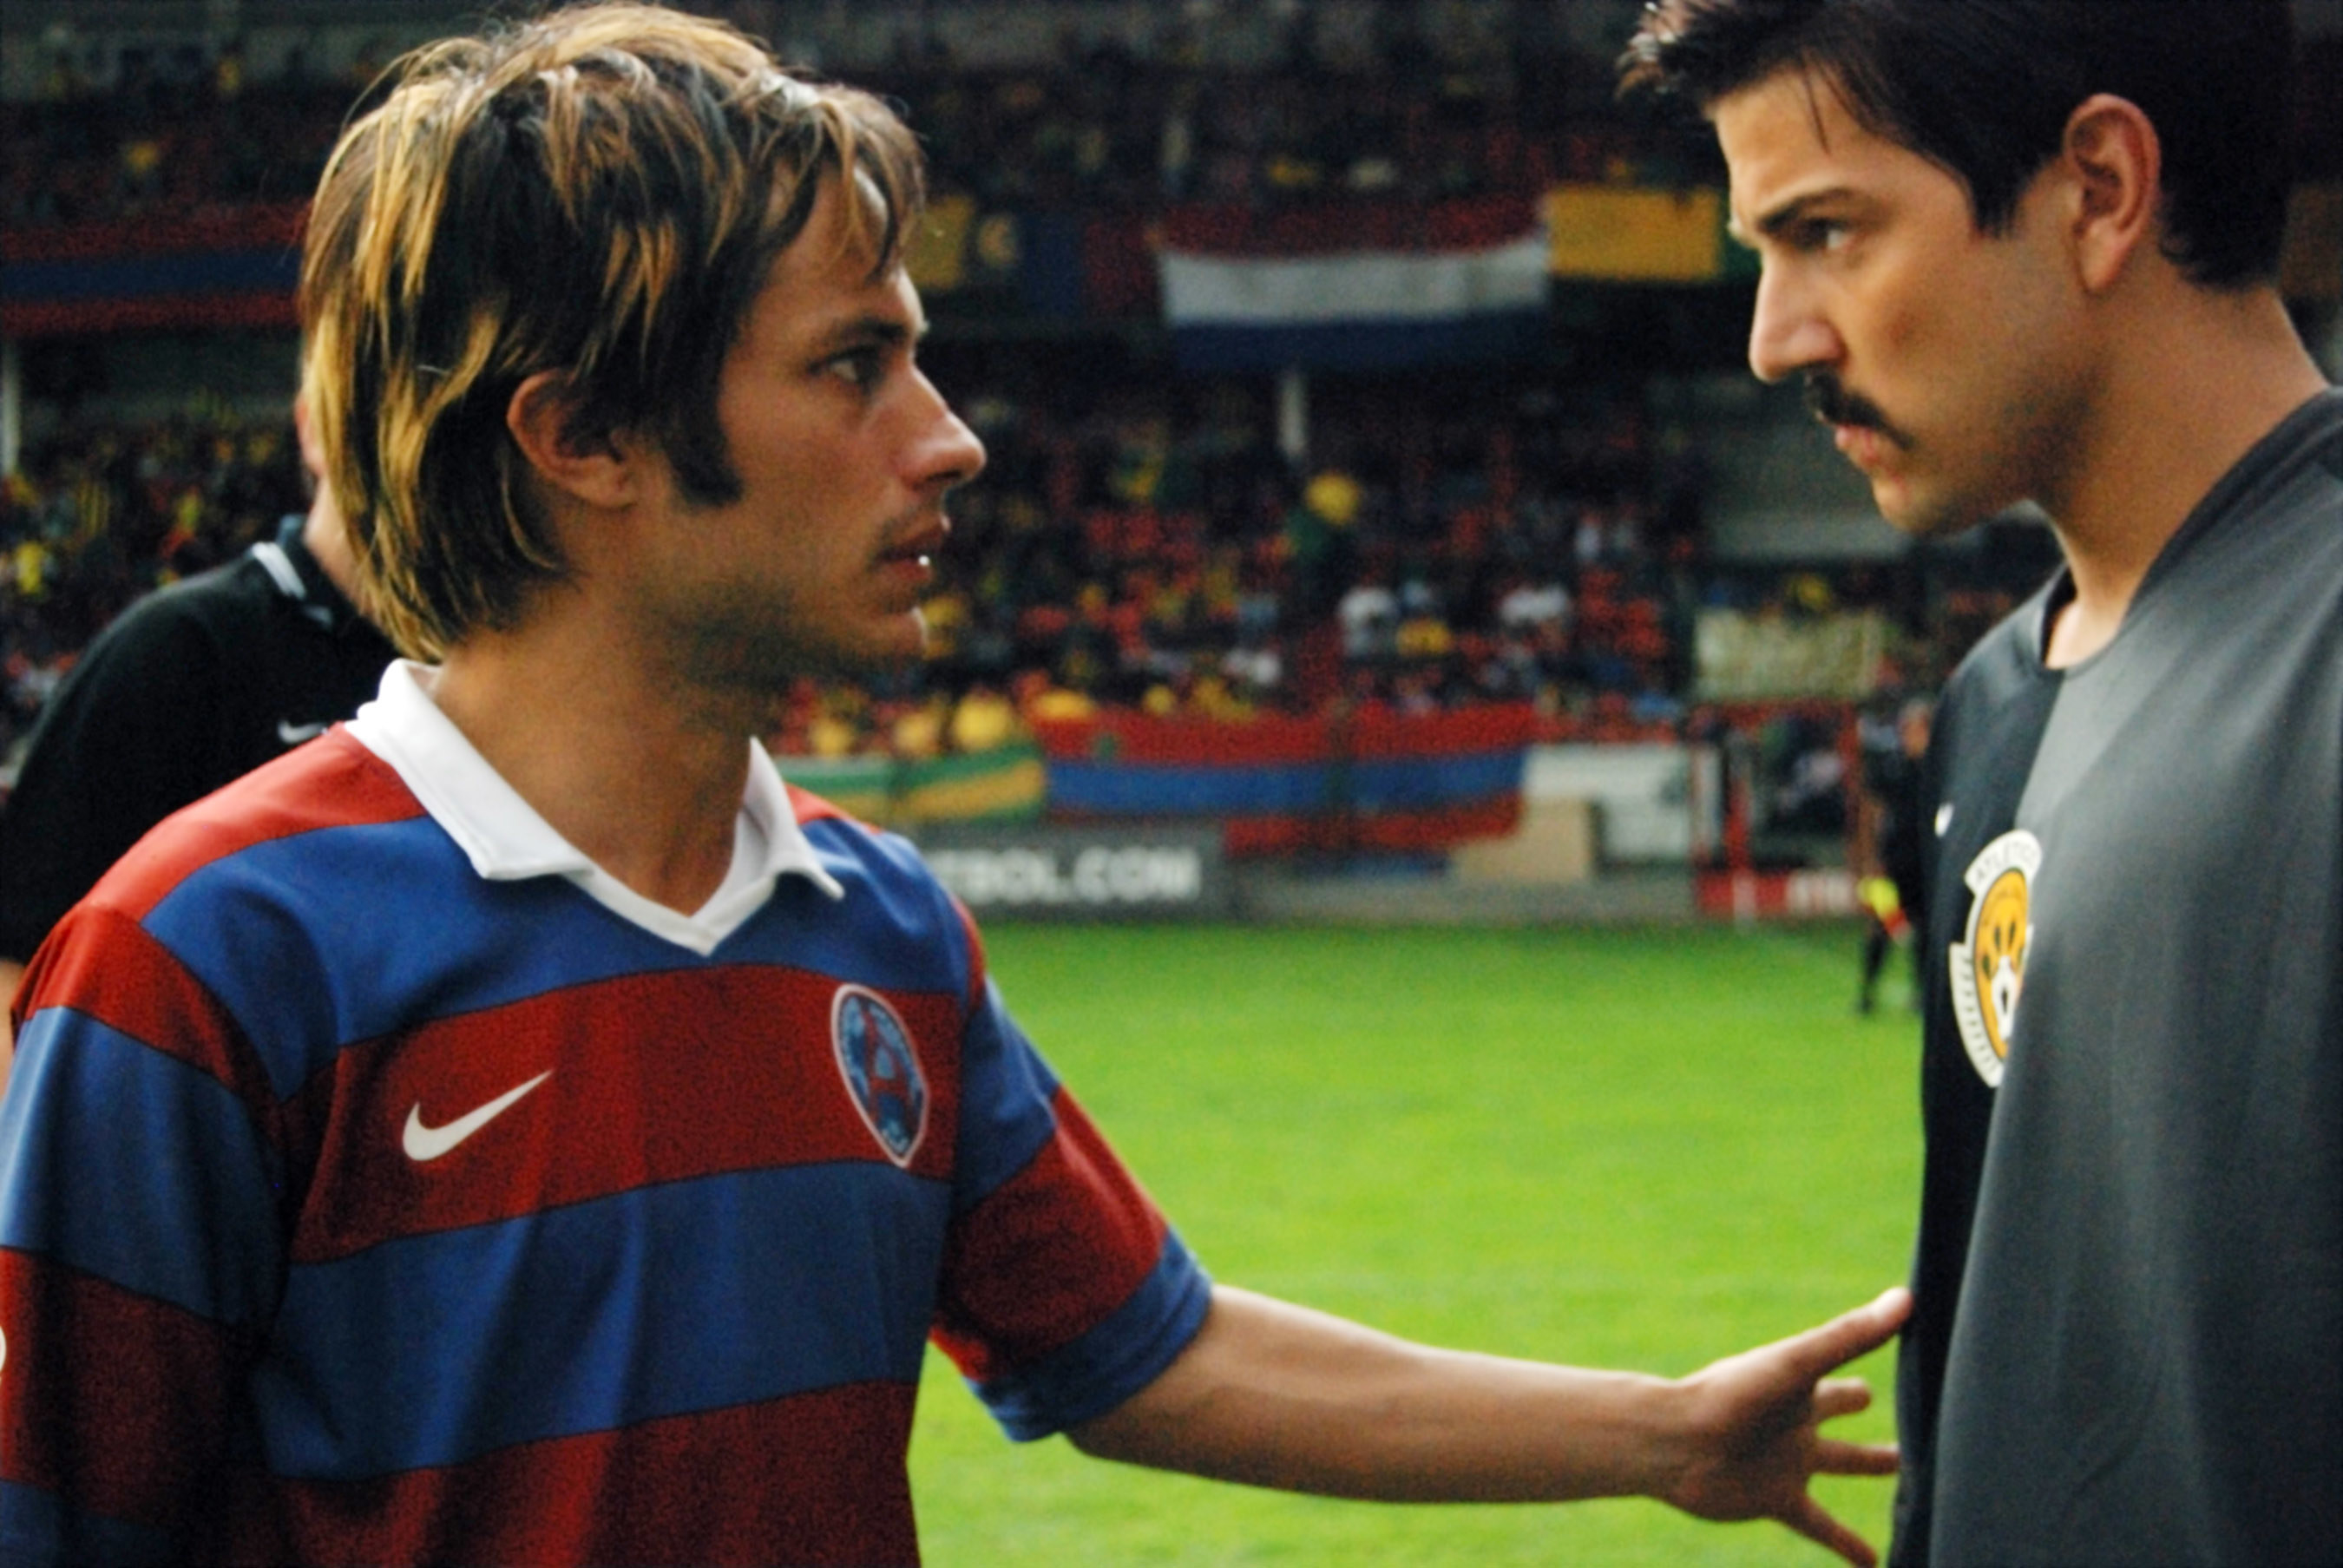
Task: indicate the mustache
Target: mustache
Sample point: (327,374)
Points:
(1828,400)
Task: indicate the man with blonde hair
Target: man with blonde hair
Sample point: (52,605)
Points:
(520,1128)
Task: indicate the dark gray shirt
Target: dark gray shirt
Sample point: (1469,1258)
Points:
(2130,1354)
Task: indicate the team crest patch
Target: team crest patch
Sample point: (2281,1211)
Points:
(1989,965)
(881,1070)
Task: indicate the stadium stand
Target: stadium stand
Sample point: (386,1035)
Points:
(1151,541)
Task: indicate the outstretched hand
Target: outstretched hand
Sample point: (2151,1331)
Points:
(1758,1417)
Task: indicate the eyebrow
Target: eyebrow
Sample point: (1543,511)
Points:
(864,329)
(1785,215)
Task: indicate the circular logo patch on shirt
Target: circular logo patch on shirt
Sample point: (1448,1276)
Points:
(1989,965)
(881,1070)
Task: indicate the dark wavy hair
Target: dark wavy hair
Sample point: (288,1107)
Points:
(1984,89)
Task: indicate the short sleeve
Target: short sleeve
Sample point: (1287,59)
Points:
(140,1253)
(1064,1289)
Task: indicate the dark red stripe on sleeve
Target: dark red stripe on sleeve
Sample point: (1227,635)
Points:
(977,965)
(117,1403)
(102,964)
(1047,1257)
(817,1479)
(333,782)
(652,1077)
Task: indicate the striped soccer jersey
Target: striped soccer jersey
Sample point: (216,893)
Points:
(357,1206)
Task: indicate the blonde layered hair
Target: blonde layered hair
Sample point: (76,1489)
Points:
(600,193)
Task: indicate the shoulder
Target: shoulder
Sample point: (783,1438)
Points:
(2308,488)
(334,783)
(155,637)
(212,908)
(855,846)
(2274,522)
(2323,433)
(228,596)
(890,895)
(162,650)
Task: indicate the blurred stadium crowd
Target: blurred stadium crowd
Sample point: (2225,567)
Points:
(1140,541)
(1156,552)
(1411,105)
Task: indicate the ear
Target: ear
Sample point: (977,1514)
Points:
(2116,162)
(600,471)
(305,432)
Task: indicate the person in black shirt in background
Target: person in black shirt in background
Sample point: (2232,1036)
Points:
(193,686)
(1890,844)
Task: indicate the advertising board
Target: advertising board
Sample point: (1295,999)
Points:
(1112,872)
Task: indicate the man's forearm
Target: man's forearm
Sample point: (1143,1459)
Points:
(1279,1396)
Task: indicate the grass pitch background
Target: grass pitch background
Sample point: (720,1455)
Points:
(1631,1149)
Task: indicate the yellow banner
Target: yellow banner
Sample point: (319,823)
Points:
(937,255)
(1628,233)
(1007,783)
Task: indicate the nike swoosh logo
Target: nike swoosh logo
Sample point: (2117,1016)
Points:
(423,1143)
(292,734)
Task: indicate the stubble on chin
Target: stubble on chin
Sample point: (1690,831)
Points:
(762,656)
(1921,516)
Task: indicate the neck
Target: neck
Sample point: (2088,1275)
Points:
(647,785)
(329,544)
(2200,377)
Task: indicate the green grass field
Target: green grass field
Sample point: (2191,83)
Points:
(1620,1149)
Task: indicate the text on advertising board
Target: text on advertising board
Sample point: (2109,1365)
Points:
(1098,876)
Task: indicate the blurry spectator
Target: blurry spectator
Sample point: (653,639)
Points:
(1042,702)
(918,731)
(1319,546)
(1369,614)
(1256,671)
(192,687)
(1529,606)
(982,720)
(833,733)
(1891,842)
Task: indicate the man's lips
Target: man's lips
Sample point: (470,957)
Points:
(1860,443)
(914,554)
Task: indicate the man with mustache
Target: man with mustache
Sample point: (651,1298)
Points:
(520,1128)
(2027,249)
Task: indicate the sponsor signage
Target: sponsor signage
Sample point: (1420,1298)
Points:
(1823,893)
(1084,873)
(1623,233)
(1642,789)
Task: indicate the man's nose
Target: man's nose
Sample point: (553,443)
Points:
(949,453)
(1786,333)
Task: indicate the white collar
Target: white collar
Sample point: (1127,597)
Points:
(507,841)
